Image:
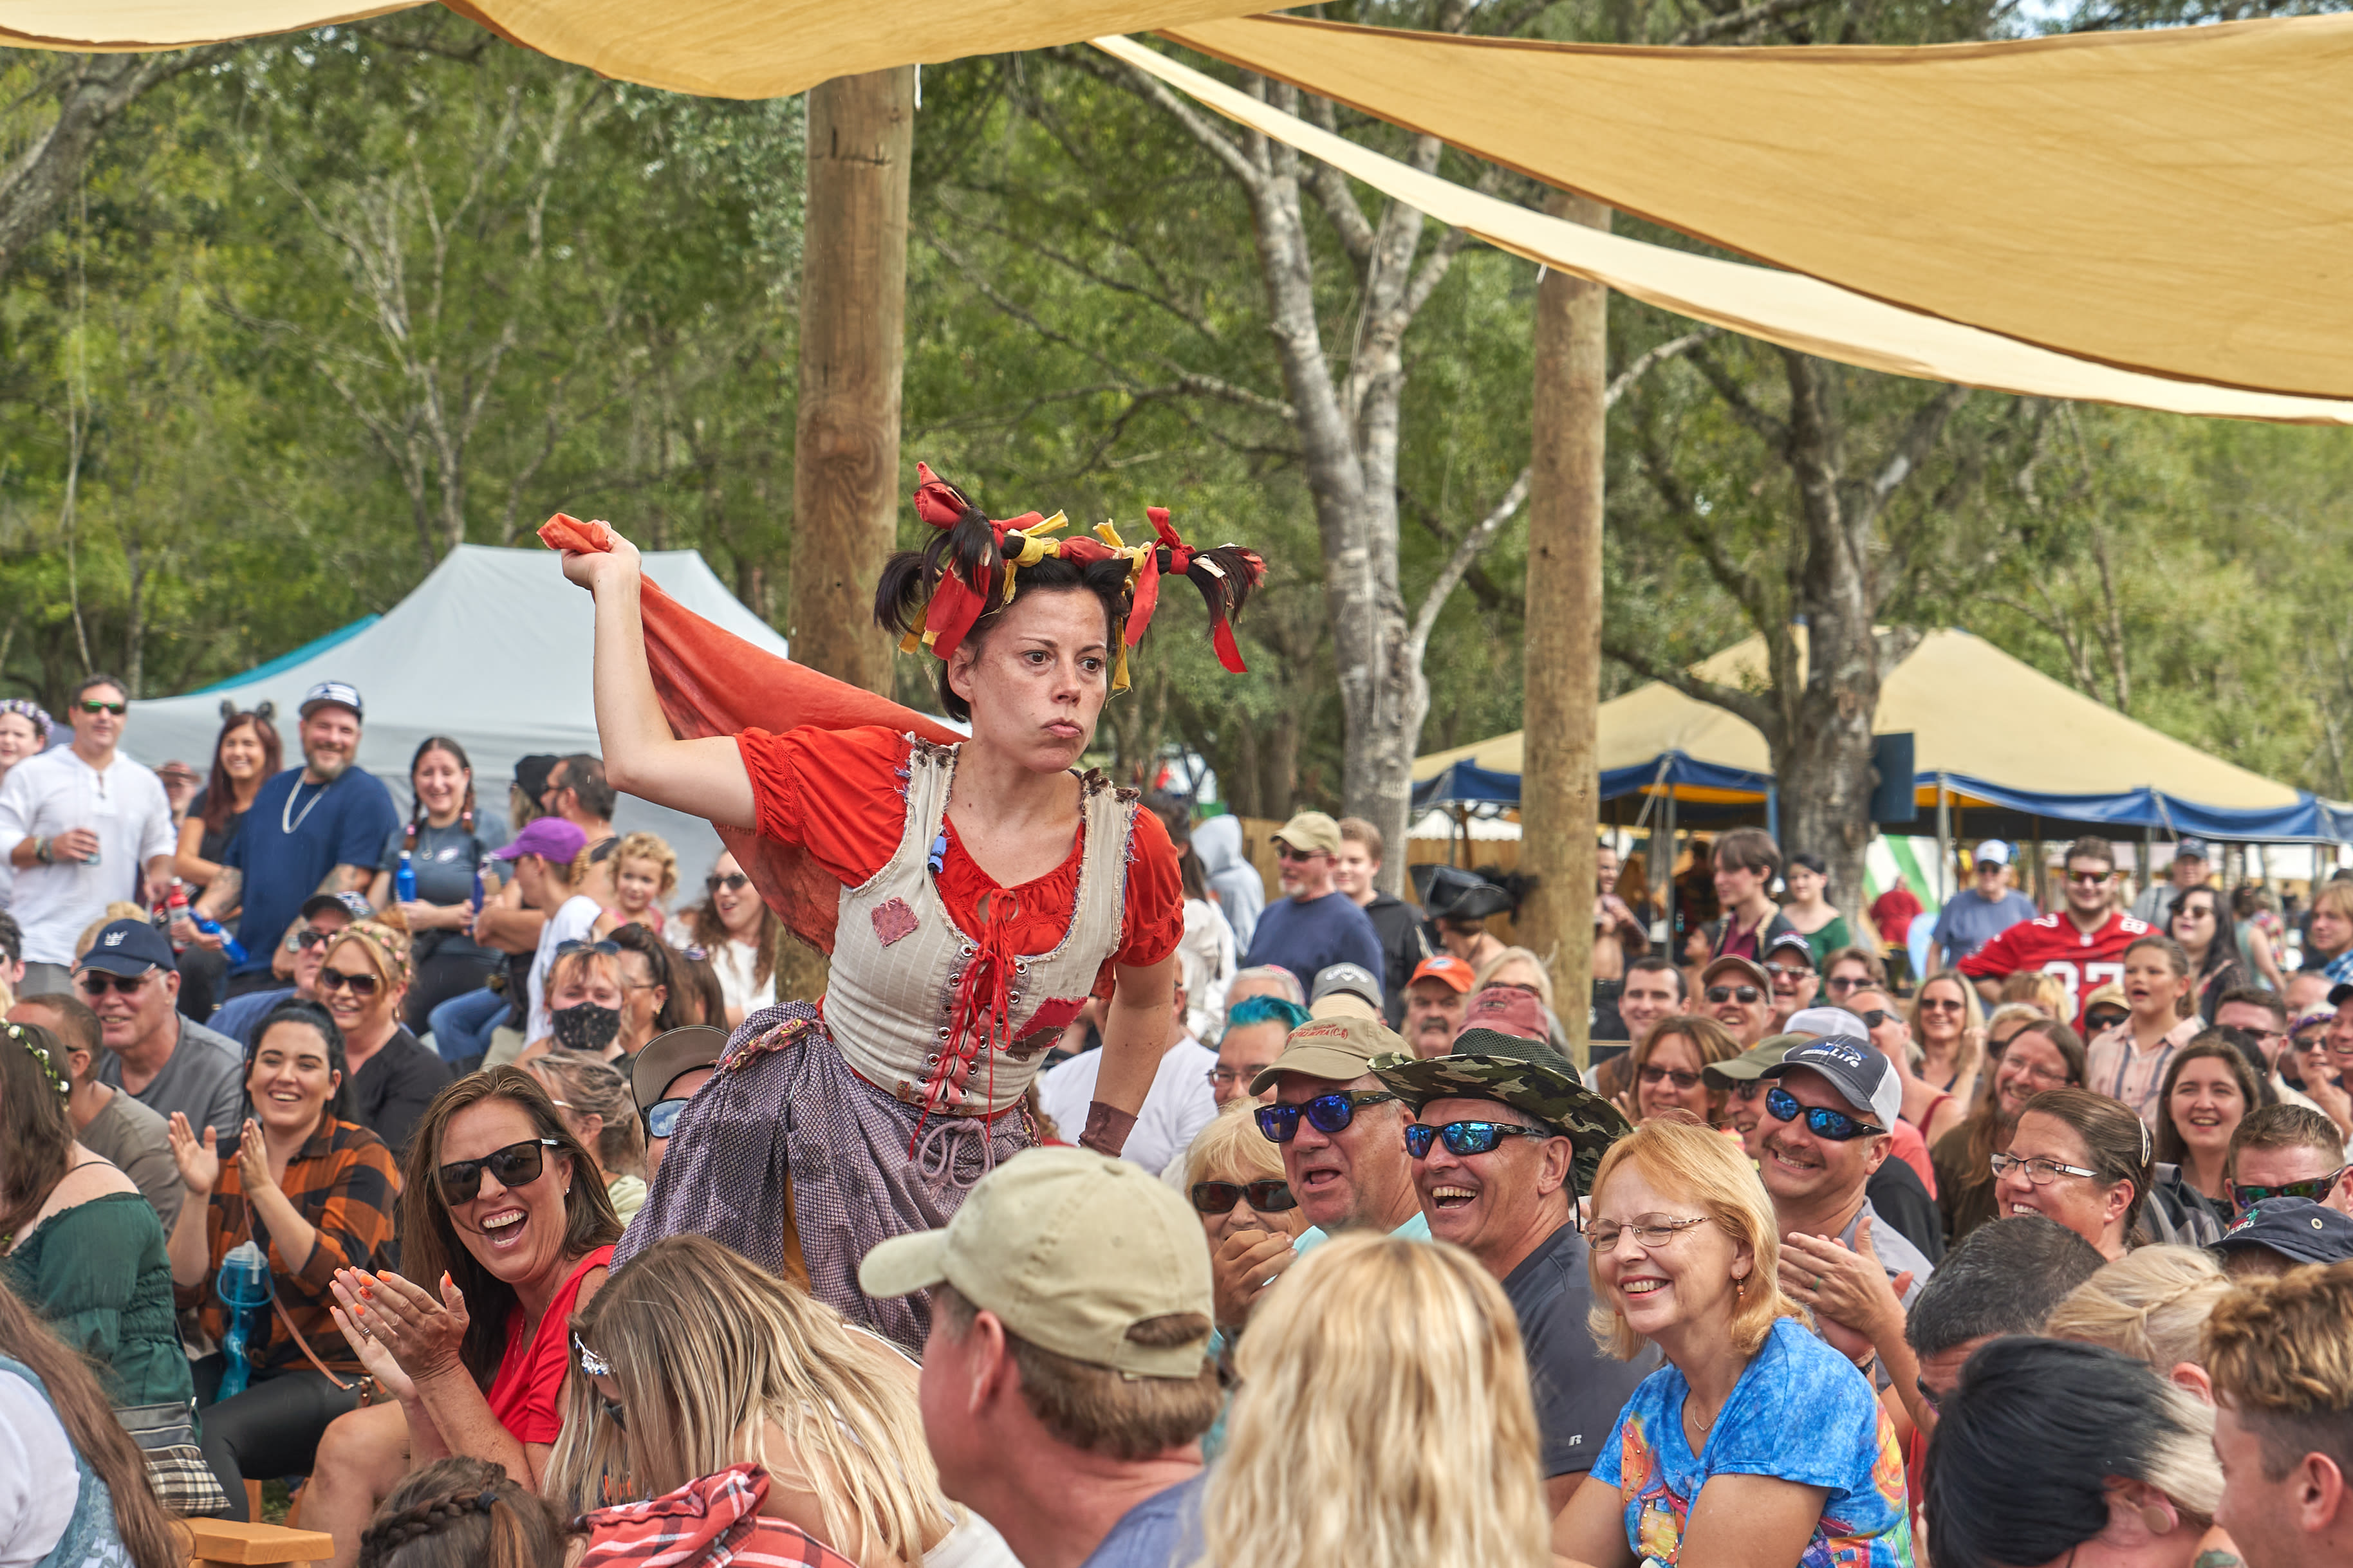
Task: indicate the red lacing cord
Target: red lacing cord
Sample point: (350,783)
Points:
(980,1019)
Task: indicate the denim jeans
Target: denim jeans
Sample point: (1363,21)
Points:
(462,1026)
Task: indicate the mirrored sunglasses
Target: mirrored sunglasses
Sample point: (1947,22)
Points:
(1831,1126)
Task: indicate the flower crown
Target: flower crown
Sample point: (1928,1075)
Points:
(977,572)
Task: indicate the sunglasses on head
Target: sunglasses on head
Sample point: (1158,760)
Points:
(91,705)
(595,1365)
(735,882)
(662,1117)
(357,985)
(2244,1194)
(516,1165)
(566,949)
(1327,1113)
(1220,1197)
(1744,993)
(1831,1126)
(1467,1137)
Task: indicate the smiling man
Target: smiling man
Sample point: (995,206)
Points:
(165,1061)
(1505,1138)
(1737,994)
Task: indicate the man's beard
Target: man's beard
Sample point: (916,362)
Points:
(327,766)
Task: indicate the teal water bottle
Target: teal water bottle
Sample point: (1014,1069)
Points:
(245,1288)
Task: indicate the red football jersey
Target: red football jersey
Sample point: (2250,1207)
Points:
(2055,945)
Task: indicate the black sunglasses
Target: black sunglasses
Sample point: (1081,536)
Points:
(516,1165)
(89,706)
(1220,1197)
(1327,1113)
(1729,993)
(307,938)
(1651,1077)
(357,985)
(662,1117)
(733,883)
(2104,1020)
(1876,1017)
(1832,1126)
(98,982)
(1467,1137)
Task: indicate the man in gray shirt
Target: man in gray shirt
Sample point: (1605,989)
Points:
(161,1059)
(107,1122)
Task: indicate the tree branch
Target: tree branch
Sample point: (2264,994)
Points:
(1773,432)
(1740,21)
(1674,347)
(1746,705)
(1449,576)
(1150,88)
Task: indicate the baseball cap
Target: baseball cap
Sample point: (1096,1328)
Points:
(340,692)
(2338,994)
(531,772)
(1311,831)
(1993,852)
(353,904)
(1750,1065)
(1334,1048)
(1824,1022)
(1863,1078)
(1444,967)
(550,839)
(2295,1228)
(1345,991)
(1501,1012)
(128,947)
(671,1053)
(1529,1076)
(1791,941)
(1750,970)
(1071,1250)
(2109,995)
(2187,849)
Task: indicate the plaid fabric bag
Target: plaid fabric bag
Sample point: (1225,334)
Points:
(166,1436)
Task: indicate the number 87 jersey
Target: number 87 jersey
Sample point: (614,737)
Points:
(2054,944)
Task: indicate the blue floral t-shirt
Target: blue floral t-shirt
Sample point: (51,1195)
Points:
(1802,1412)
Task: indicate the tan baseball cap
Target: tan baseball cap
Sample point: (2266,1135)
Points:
(1339,1049)
(1311,831)
(1071,1250)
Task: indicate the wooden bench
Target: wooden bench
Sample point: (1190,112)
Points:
(224,1543)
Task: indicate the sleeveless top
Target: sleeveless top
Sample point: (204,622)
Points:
(91,1538)
(952,1023)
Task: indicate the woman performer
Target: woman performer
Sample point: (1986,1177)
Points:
(973,895)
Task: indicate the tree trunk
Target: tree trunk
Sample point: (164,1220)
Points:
(861,132)
(1559,784)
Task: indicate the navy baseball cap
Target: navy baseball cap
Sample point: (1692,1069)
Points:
(1863,1078)
(341,693)
(2297,1228)
(353,904)
(129,947)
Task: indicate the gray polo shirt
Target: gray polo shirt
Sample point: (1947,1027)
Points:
(203,1080)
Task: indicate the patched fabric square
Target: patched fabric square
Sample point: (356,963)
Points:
(893,920)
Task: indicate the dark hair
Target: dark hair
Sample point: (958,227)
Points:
(416,814)
(76,1028)
(343,1104)
(695,989)
(152,1537)
(1747,849)
(2004,1278)
(2270,1001)
(33,1127)
(1652,961)
(2287,1127)
(2117,1141)
(2214,1044)
(12,938)
(220,789)
(2222,952)
(1811,862)
(463,1512)
(584,776)
(2090,847)
(658,953)
(711,933)
(2026,1442)
(100,677)
(430,1243)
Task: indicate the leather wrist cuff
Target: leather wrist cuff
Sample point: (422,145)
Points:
(1107,1129)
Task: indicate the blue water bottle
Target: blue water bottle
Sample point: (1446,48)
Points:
(245,1288)
(404,880)
(233,949)
(477,889)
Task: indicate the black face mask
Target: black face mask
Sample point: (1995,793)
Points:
(586,1027)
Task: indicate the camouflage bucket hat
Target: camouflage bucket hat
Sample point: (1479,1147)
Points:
(1530,1077)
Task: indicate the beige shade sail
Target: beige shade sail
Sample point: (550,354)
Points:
(2179,202)
(1784,308)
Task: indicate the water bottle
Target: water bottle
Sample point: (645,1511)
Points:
(404,880)
(245,1288)
(233,948)
(477,889)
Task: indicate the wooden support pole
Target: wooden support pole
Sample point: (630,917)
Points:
(1560,782)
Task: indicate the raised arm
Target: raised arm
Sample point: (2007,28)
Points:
(703,778)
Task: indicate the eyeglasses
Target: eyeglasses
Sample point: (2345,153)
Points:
(96,982)
(566,949)
(2042,1173)
(1219,1077)
(1744,1090)
(1731,992)
(2039,1074)
(1650,1231)
(91,705)
(1789,973)
(1651,1077)
(1875,1017)
(1463,1137)
(362,986)
(662,1117)
(1928,1396)
(1839,984)
(1943,1005)
(733,882)
(1285,852)
(1220,1197)
(1834,1126)
(1327,1113)
(516,1165)
(2318,1189)
(2104,1019)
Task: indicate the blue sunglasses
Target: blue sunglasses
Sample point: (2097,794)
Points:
(1467,1137)
(1832,1126)
(1327,1113)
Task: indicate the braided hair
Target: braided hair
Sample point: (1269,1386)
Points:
(416,813)
(462,1513)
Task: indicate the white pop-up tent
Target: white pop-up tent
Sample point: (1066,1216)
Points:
(491,650)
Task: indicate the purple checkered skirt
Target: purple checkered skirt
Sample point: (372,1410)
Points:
(784,1102)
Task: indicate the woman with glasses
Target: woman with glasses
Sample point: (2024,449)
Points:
(596,1107)
(446,844)
(1757,1442)
(362,982)
(1668,1067)
(1851,969)
(2037,1054)
(2208,1090)
(1948,1027)
(502,1212)
(1234,1176)
(314,1189)
(738,931)
(2082,1160)
(2202,925)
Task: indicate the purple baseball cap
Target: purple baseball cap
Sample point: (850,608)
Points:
(550,839)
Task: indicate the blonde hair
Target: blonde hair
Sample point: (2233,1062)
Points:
(1231,1142)
(650,846)
(2280,1351)
(120,910)
(1384,1418)
(709,1350)
(583,1086)
(2151,1305)
(1707,1170)
(578,963)
(2033,988)
(1486,972)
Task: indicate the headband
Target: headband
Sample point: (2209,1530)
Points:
(32,711)
(388,947)
(40,1060)
(983,562)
